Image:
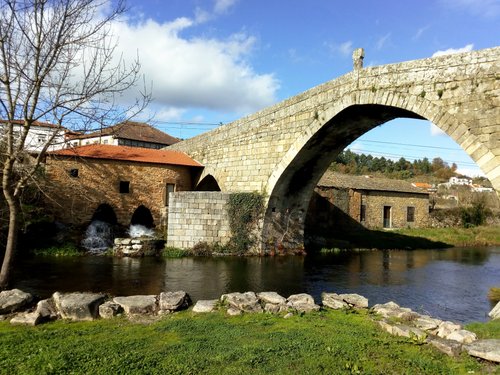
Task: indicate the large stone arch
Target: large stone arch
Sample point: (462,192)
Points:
(291,184)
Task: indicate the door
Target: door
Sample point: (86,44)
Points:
(387,216)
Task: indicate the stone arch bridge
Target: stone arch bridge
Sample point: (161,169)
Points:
(282,151)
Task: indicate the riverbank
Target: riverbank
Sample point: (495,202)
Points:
(416,238)
(458,236)
(185,343)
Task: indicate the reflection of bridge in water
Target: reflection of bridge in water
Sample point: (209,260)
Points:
(283,150)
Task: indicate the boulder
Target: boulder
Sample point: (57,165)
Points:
(137,305)
(31,319)
(426,323)
(355,300)
(233,311)
(385,326)
(46,309)
(333,301)
(495,312)
(271,297)
(408,331)
(302,302)
(462,336)
(109,309)
(173,301)
(485,349)
(448,347)
(446,328)
(393,310)
(246,302)
(13,300)
(275,309)
(205,306)
(78,306)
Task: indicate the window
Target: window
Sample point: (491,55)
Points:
(362,213)
(124,187)
(42,139)
(105,142)
(410,214)
(73,172)
(170,188)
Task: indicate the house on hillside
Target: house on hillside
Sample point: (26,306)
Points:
(129,133)
(345,202)
(87,180)
(38,135)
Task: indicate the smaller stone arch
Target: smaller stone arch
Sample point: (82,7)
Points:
(142,216)
(104,212)
(209,183)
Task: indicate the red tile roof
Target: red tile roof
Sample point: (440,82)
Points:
(135,131)
(136,154)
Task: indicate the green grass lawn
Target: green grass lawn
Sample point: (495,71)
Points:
(331,342)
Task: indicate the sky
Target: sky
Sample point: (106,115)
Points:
(210,62)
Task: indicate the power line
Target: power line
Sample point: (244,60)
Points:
(412,145)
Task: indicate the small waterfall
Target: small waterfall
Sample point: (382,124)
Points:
(137,230)
(98,237)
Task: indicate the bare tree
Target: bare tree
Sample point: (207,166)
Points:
(58,65)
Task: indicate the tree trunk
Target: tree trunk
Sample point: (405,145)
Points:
(10,248)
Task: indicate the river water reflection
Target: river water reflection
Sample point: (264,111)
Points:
(450,284)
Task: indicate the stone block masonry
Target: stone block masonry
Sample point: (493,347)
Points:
(195,217)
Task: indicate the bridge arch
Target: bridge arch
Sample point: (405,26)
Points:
(292,182)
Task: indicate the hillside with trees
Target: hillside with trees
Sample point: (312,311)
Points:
(424,169)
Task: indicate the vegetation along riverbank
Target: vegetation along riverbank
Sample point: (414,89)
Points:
(336,342)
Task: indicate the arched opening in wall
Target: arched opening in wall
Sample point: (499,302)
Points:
(345,204)
(142,216)
(105,213)
(209,183)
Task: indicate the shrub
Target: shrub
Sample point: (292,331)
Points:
(173,252)
(244,211)
(474,215)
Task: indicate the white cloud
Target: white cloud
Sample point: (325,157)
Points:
(357,147)
(345,49)
(483,8)
(222,6)
(381,42)
(435,131)
(197,72)
(420,32)
(449,51)
(471,171)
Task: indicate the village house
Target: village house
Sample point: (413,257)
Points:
(128,133)
(345,202)
(87,180)
(38,135)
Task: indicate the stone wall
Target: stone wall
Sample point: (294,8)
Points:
(339,209)
(73,200)
(195,217)
(399,202)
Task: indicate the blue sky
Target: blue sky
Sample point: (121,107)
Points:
(214,61)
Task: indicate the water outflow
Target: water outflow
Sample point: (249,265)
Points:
(98,237)
(137,230)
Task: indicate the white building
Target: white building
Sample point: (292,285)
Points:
(459,181)
(38,135)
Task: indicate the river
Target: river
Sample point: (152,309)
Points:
(451,284)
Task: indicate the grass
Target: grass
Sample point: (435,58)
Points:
(65,250)
(330,342)
(174,252)
(488,330)
(475,236)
